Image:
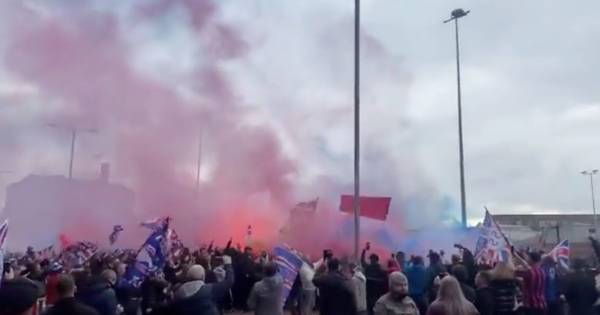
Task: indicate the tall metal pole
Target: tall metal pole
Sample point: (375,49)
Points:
(463,198)
(591,174)
(356,128)
(594,203)
(199,162)
(73,136)
(455,15)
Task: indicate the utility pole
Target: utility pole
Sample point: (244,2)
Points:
(455,15)
(73,132)
(356,128)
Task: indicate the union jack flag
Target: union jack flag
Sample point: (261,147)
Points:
(561,254)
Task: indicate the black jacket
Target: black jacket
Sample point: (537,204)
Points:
(580,292)
(153,295)
(468,292)
(337,295)
(98,294)
(504,292)
(196,297)
(376,280)
(484,301)
(69,306)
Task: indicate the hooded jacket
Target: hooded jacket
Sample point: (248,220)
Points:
(98,294)
(197,297)
(337,295)
(386,305)
(266,297)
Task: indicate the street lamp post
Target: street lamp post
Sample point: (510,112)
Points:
(591,174)
(454,16)
(356,205)
(73,132)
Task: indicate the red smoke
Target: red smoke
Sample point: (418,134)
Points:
(85,63)
(82,59)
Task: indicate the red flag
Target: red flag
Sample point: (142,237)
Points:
(370,207)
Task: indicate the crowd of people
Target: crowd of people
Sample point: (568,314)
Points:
(216,281)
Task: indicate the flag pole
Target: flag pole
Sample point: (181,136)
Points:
(356,128)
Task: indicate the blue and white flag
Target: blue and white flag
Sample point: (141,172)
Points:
(157,224)
(78,254)
(117,229)
(289,264)
(150,258)
(492,246)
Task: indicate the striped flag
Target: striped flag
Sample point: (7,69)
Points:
(561,254)
(151,257)
(289,264)
(3,233)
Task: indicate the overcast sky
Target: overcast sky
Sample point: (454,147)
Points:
(531,102)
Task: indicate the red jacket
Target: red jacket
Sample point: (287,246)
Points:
(51,288)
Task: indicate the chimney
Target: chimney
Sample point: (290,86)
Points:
(104,172)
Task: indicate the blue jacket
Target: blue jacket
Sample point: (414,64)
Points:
(417,279)
(551,290)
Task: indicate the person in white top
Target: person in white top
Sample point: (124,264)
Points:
(359,283)
(308,295)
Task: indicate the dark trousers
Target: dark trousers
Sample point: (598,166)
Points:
(533,311)
(421,302)
(555,308)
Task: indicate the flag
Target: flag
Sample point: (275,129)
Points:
(309,206)
(289,264)
(76,255)
(1,264)
(150,258)
(65,241)
(561,254)
(157,224)
(301,215)
(47,253)
(370,207)
(117,229)
(492,246)
(174,244)
(3,233)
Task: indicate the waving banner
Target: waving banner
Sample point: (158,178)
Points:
(492,246)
